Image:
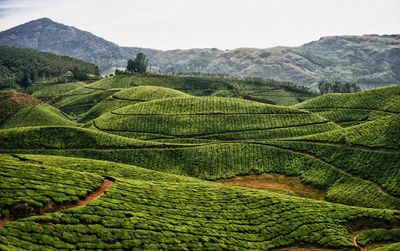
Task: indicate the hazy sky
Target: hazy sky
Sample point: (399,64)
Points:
(225,24)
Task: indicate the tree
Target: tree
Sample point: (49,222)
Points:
(130,67)
(119,72)
(138,65)
(79,74)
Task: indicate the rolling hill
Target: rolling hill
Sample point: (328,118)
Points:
(151,166)
(209,117)
(88,101)
(369,60)
(354,108)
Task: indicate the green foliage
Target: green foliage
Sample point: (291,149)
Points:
(46,184)
(379,235)
(160,207)
(355,108)
(37,115)
(26,66)
(150,210)
(147,93)
(371,99)
(65,138)
(380,167)
(53,91)
(130,96)
(266,91)
(337,87)
(138,65)
(226,160)
(383,132)
(206,117)
(389,247)
(83,101)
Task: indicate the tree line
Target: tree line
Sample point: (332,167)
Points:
(337,87)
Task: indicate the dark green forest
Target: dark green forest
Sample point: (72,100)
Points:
(22,67)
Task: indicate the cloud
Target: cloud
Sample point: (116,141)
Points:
(209,23)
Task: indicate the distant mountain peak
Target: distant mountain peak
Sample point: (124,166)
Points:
(42,20)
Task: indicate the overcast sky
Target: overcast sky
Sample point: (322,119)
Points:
(225,24)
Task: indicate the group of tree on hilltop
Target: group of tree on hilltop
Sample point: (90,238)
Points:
(137,65)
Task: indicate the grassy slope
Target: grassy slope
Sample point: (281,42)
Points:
(268,92)
(370,150)
(225,160)
(383,132)
(37,115)
(90,100)
(151,210)
(147,93)
(355,108)
(65,138)
(47,91)
(131,96)
(211,117)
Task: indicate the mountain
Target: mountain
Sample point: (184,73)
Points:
(369,60)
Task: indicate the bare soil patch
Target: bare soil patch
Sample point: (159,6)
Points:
(277,182)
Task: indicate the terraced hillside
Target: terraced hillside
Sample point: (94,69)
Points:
(141,174)
(210,118)
(151,210)
(131,96)
(78,98)
(354,108)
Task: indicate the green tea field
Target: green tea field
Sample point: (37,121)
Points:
(157,162)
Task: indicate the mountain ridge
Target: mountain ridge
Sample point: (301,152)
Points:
(366,60)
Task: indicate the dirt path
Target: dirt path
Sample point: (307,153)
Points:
(51,208)
(354,239)
(104,187)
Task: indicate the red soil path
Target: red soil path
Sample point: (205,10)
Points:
(104,187)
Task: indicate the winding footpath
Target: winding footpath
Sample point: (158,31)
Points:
(354,239)
(51,208)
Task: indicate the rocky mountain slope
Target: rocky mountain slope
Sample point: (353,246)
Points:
(369,60)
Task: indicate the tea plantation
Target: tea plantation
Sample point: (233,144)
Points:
(161,142)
